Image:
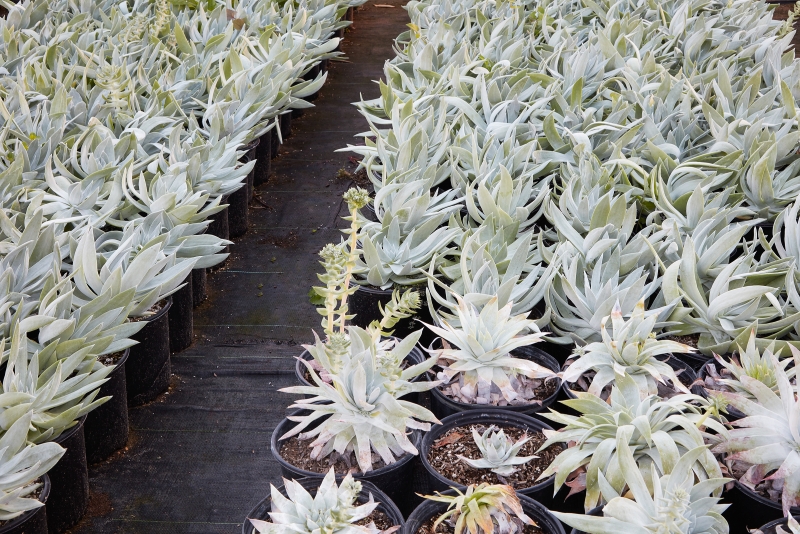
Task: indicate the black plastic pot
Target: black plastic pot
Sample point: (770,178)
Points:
(251,149)
(396,480)
(148,368)
(772,527)
(286,125)
(32,521)
(695,360)
(69,480)
(365,304)
(237,212)
(262,509)
(181,321)
(219,225)
(443,406)
(413,358)
(323,65)
(106,429)
(429,509)
(263,156)
(275,144)
(199,292)
(541,491)
(749,510)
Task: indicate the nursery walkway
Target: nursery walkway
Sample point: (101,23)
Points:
(199,459)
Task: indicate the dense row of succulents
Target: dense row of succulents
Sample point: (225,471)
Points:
(621,181)
(123,132)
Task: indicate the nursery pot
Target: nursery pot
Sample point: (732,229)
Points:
(32,521)
(748,509)
(69,480)
(251,149)
(442,405)
(385,504)
(199,292)
(772,527)
(263,155)
(396,479)
(413,358)
(365,303)
(432,509)
(733,414)
(275,143)
(181,322)
(237,211)
(541,491)
(695,360)
(148,368)
(286,125)
(323,65)
(219,225)
(106,429)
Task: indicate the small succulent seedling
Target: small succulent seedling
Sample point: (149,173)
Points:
(483,509)
(498,452)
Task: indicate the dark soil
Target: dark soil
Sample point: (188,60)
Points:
(444,528)
(690,340)
(111,359)
(380,519)
(297,452)
(458,441)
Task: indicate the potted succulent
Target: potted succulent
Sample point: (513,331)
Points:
(725,375)
(631,349)
(26,486)
(663,427)
(339,509)
(492,446)
(761,452)
(487,360)
(654,501)
(480,509)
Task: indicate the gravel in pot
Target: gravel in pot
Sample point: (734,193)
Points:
(385,516)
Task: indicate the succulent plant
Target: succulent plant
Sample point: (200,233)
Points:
(658,432)
(21,465)
(364,412)
(481,509)
(631,349)
(762,449)
(334,509)
(481,359)
(498,452)
(675,501)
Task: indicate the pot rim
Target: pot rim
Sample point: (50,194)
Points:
(19,520)
(275,448)
(466,418)
(794,510)
(70,432)
(160,313)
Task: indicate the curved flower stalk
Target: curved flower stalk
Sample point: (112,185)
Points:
(148,270)
(363,413)
(57,389)
(21,465)
(481,359)
(483,508)
(333,509)
(631,349)
(762,449)
(673,500)
(658,432)
(498,452)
